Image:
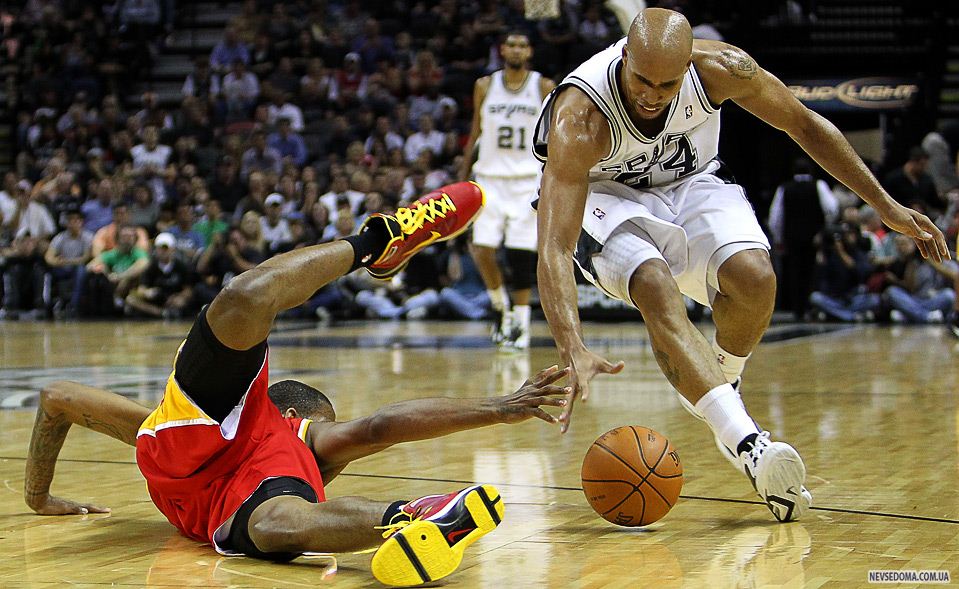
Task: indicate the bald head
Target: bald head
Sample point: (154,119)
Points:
(660,32)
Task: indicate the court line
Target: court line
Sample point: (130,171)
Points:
(922,518)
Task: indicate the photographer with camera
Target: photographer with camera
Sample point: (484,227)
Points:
(842,266)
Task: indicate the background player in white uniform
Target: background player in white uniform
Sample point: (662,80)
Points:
(631,184)
(506,106)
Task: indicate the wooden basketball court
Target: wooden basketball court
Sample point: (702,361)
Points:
(873,410)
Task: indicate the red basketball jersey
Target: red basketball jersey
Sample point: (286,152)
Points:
(199,471)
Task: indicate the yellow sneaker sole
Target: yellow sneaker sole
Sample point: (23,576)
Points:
(420,554)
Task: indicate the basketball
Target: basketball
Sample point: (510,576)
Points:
(632,476)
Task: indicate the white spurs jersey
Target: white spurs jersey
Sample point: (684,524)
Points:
(508,120)
(687,144)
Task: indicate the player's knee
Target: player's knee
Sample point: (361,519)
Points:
(522,264)
(655,293)
(270,535)
(748,274)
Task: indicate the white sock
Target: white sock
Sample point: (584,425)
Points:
(498,298)
(731,364)
(521,316)
(726,415)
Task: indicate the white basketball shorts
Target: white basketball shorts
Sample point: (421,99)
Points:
(693,225)
(508,217)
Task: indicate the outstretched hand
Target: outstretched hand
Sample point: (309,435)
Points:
(53,505)
(536,392)
(928,238)
(583,366)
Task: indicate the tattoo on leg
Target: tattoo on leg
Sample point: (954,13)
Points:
(106,428)
(671,372)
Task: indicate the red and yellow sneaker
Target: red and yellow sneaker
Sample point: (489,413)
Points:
(427,538)
(438,216)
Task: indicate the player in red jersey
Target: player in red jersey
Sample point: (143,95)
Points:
(231,461)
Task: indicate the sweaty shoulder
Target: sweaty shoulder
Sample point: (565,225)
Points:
(578,127)
(482,84)
(723,68)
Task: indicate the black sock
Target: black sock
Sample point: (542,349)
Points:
(368,244)
(747,444)
(391,511)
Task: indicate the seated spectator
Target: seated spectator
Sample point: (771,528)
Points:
(106,238)
(145,210)
(202,82)
(253,231)
(227,188)
(21,265)
(284,81)
(150,158)
(383,130)
(212,222)
(151,114)
(228,51)
(288,143)
(260,157)
(240,89)
(189,242)
(919,295)
(373,47)
(426,139)
(262,55)
(911,186)
(69,252)
(165,288)
(342,227)
(340,194)
(349,83)
(466,296)
(593,31)
(281,108)
(274,228)
(315,83)
(225,258)
(30,217)
(424,75)
(111,276)
(842,265)
(98,212)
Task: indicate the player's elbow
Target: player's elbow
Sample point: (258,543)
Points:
(54,396)
(249,290)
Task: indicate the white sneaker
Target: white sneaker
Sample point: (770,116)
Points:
(777,473)
(897,316)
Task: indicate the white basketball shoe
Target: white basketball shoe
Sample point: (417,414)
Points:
(775,478)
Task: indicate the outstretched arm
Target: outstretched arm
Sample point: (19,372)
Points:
(579,137)
(732,74)
(336,444)
(61,405)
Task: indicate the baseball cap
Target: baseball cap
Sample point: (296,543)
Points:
(275,199)
(165,239)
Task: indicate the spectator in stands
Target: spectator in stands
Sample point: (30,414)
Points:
(283,80)
(110,276)
(288,143)
(426,139)
(349,83)
(281,107)
(165,288)
(30,218)
(466,296)
(247,22)
(240,89)
(226,186)
(189,242)
(228,51)
(842,265)
(212,223)
(315,83)
(69,251)
(21,265)
(910,185)
(383,131)
(151,114)
(942,146)
(594,33)
(373,47)
(106,238)
(919,294)
(261,157)
(202,83)
(98,212)
(150,159)
(800,209)
(273,227)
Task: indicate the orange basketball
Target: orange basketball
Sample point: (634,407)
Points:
(632,476)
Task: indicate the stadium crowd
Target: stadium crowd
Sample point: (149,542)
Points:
(305,118)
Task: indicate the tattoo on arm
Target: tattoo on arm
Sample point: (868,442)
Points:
(48,434)
(671,372)
(742,67)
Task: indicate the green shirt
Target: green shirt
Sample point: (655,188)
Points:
(117,262)
(208,229)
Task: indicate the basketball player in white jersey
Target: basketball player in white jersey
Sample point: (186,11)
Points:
(506,106)
(633,191)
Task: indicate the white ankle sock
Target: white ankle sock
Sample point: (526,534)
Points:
(498,298)
(731,364)
(521,316)
(726,415)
